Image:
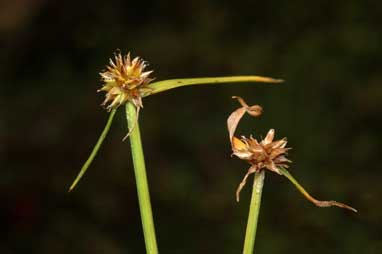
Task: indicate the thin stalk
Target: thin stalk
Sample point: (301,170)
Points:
(141,180)
(94,151)
(254,210)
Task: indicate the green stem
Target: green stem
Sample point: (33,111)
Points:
(254,210)
(95,150)
(141,180)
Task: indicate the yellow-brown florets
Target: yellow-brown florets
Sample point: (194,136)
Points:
(267,154)
(125,80)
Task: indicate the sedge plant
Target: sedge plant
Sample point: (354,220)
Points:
(126,83)
(267,154)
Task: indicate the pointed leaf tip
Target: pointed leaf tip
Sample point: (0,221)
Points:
(94,151)
(161,86)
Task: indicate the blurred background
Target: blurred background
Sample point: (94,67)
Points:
(329,53)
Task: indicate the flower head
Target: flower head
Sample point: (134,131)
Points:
(125,80)
(266,154)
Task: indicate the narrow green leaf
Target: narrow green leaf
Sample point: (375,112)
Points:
(95,150)
(164,85)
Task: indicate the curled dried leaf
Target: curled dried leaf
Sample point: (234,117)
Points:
(254,110)
(235,117)
(233,120)
(319,203)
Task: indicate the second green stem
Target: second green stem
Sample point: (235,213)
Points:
(141,180)
(254,210)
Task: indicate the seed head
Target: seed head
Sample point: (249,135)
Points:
(125,80)
(266,154)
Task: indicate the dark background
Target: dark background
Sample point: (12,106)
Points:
(329,52)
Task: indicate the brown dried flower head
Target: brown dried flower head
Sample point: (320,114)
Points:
(266,154)
(125,80)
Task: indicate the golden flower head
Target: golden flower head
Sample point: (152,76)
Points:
(125,80)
